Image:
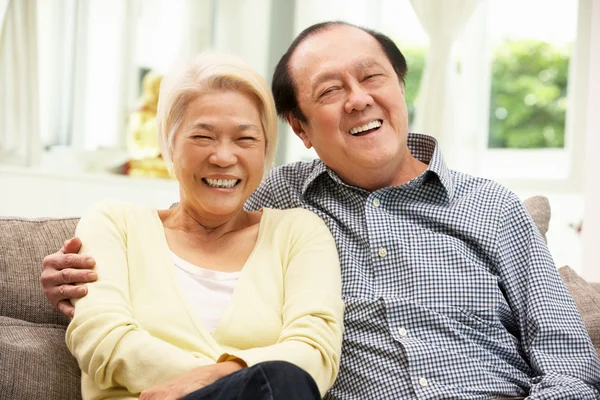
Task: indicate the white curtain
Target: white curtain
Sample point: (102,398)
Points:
(198,28)
(435,107)
(587,54)
(19,118)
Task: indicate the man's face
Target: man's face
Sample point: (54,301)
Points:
(354,104)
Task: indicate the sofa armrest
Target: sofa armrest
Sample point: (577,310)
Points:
(587,299)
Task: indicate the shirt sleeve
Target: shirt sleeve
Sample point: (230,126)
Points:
(311,337)
(261,197)
(107,341)
(280,189)
(553,337)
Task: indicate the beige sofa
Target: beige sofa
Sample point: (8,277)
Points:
(34,361)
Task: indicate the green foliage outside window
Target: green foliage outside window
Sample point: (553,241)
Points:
(528,94)
(415,60)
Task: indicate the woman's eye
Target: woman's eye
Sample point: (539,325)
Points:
(201,137)
(247,138)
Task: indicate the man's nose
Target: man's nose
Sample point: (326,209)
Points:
(223,155)
(358,99)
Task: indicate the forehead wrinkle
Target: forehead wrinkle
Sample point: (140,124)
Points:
(359,65)
(328,76)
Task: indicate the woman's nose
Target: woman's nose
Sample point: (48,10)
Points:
(223,155)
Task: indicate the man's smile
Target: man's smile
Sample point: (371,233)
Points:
(365,129)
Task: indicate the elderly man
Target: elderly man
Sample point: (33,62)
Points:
(450,291)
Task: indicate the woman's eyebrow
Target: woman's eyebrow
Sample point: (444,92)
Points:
(203,125)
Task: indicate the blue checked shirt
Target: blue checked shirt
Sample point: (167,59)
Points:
(450,291)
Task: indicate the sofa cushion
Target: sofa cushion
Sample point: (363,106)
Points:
(35,363)
(539,209)
(587,300)
(23,245)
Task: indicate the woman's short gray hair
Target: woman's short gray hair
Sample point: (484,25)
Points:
(209,72)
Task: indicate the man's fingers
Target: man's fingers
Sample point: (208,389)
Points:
(66,308)
(53,278)
(57,294)
(71,246)
(66,292)
(58,261)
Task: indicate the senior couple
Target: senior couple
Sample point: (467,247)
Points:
(449,291)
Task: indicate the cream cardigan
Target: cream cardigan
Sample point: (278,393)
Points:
(135,328)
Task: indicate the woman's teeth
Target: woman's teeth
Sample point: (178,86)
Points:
(221,183)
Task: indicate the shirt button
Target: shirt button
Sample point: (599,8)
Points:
(382,252)
(423,382)
(376,202)
(402,332)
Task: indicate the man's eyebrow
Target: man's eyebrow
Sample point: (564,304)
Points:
(324,78)
(368,63)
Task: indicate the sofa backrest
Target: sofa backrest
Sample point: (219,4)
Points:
(34,360)
(23,245)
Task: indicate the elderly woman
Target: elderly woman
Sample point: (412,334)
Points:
(206,299)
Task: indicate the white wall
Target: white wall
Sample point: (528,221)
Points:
(30,193)
(242,28)
(591,227)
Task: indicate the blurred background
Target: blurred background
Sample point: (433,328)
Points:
(508,87)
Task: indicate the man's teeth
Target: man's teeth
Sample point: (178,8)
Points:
(366,127)
(221,183)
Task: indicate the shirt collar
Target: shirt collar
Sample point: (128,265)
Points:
(426,149)
(318,170)
(423,147)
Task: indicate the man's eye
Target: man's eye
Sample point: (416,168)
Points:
(329,90)
(371,76)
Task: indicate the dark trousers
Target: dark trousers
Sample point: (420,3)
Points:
(271,380)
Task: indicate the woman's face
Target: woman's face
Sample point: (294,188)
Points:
(219,152)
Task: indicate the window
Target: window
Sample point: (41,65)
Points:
(531,52)
(86,61)
(533,93)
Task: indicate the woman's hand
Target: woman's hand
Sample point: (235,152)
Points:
(190,381)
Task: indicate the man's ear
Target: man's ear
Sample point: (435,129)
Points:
(298,128)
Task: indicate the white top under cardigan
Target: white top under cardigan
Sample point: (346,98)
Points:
(208,291)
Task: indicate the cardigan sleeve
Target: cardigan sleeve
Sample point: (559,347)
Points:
(107,341)
(311,336)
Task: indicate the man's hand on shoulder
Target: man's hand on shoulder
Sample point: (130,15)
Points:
(61,271)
